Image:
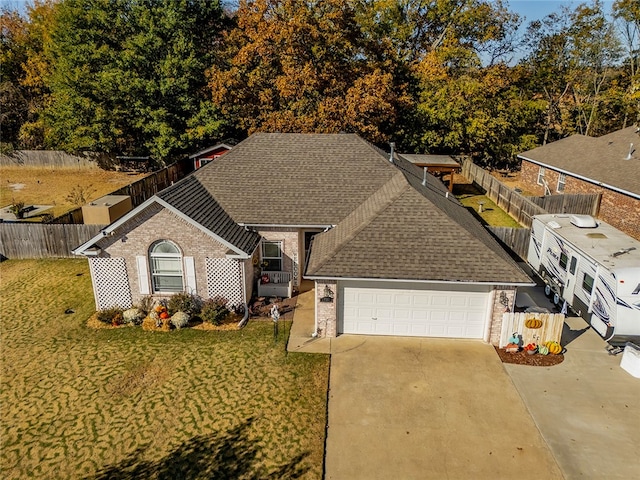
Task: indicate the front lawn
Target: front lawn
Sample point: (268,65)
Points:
(127,403)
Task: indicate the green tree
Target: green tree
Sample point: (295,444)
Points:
(627,14)
(595,51)
(13,104)
(128,76)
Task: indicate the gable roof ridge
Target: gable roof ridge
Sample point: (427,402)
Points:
(362,216)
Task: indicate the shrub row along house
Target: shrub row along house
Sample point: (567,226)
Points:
(608,165)
(389,250)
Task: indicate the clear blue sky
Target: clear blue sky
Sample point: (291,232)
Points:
(536,9)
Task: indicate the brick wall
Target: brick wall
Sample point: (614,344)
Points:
(326,312)
(621,211)
(500,296)
(135,236)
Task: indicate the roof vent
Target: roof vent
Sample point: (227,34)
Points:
(424,176)
(392,145)
(583,221)
(631,152)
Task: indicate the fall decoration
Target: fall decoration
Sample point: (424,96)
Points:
(533,323)
(554,347)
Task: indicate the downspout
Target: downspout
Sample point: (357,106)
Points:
(245,318)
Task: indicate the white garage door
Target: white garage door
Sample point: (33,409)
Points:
(419,313)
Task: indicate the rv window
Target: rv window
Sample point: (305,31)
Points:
(563,261)
(587,283)
(572,267)
(636,291)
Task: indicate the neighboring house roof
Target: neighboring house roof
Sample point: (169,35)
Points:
(612,160)
(410,231)
(296,179)
(191,201)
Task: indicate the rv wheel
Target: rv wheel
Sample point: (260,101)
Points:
(556,299)
(547,290)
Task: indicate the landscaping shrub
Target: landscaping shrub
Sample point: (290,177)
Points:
(180,319)
(214,310)
(133,316)
(111,315)
(184,302)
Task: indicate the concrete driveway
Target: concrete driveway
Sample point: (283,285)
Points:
(587,407)
(404,408)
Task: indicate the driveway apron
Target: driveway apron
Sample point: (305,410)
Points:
(422,408)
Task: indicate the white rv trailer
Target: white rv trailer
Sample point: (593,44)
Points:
(592,266)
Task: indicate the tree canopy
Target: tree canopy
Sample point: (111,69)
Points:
(166,77)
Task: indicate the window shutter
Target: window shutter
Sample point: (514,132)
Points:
(190,274)
(143,274)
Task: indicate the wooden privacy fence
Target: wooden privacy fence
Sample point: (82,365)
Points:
(517,239)
(551,329)
(584,204)
(139,191)
(524,208)
(37,240)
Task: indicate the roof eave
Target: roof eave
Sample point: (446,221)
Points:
(404,280)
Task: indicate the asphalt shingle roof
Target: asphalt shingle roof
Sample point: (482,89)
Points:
(411,231)
(296,179)
(191,198)
(388,224)
(602,159)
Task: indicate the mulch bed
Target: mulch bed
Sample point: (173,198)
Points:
(523,358)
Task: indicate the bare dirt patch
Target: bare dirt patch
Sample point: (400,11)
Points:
(46,186)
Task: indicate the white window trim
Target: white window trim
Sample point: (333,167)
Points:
(153,275)
(562,180)
(280,247)
(541,172)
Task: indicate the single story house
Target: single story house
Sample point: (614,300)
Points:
(201,158)
(390,251)
(608,165)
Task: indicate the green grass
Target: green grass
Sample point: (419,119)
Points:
(491,214)
(127,403)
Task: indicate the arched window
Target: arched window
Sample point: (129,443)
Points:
(165,260)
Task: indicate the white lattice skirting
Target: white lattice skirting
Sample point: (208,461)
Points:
(224,278)
(110,282)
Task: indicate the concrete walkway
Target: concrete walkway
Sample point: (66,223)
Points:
(587,407)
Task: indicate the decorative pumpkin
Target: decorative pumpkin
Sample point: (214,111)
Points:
(511,348)
(533,323)
(514,339)
(543,350)
(164,315)
(554,347)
